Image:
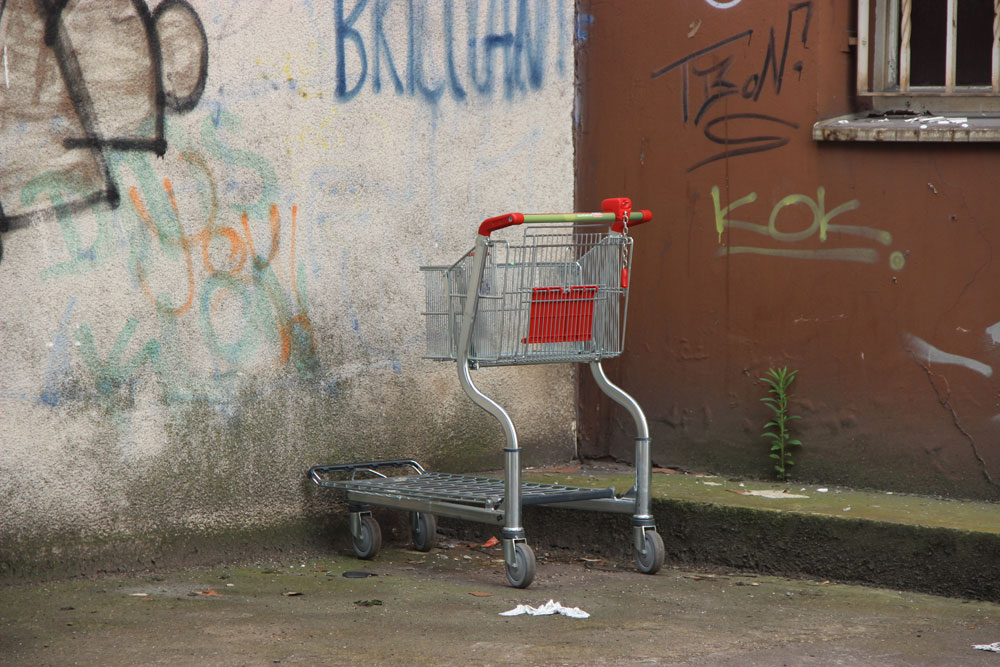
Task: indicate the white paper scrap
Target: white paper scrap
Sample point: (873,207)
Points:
(547,609)
(773,494)
(994,647)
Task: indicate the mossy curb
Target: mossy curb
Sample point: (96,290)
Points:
(65,556)
(941,561)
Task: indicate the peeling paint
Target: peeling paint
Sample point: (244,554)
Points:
(994,333)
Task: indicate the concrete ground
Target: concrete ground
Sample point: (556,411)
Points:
(443,608)
(757,574)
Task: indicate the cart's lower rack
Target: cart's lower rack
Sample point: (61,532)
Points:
(464,496)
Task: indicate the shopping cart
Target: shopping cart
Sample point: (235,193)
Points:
(558,294)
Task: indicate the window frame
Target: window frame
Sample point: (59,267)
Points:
(894,110)
(883,72)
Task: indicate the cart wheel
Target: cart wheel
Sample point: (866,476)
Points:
(370,541)
(423,527)
(523,572)
(651,561)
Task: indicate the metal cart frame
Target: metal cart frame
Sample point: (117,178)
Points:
(495,284)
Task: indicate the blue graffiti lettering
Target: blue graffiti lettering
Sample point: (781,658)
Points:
(513,43)
(344,30)
(381,46)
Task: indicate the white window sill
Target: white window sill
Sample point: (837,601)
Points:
(871,126)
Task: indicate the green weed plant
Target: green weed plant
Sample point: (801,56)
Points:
(779,380)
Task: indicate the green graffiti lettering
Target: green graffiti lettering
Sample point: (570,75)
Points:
(112,373)
(820,222)
(239,158)
(236,352)
(721,222)
(792,237)
(60,187)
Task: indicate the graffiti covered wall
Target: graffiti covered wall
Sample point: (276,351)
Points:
(866,266)
(213,215)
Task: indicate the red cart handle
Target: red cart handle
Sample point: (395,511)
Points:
(622,208)
(615,211)
(490,225)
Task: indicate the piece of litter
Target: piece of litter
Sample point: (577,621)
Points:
(358,574)
(769,493)
(292,594)
(209,593)
(480,594)
(994,647)
(847,509)
(368,603)
(547,609)
(711,483)
(138,595)
(492,542)
(822,490)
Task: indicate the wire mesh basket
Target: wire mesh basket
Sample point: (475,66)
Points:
(558,294)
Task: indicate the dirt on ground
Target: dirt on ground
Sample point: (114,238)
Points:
(443,608)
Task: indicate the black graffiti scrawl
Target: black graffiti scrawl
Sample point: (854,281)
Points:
(708,77)
(80,78)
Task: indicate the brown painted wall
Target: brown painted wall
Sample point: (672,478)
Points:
(893,323)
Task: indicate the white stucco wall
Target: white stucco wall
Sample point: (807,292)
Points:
(252,304)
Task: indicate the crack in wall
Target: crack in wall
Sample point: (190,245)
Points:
(946,404)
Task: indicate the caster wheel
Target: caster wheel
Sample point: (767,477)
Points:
(423,528)
(523,572)
(370,541)
(651,561)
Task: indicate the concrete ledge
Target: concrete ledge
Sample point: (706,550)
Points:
(938,546)
(868,126)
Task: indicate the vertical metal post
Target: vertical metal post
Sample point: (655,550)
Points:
(904,45)
(996,46)
(642,518)
(882,42)
(512,460)
(951,47)
(863,34)
(890,35)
